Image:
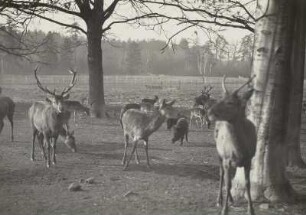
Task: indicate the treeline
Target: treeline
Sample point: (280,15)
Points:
(56,53)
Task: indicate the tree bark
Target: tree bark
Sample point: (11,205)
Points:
(96,84)
(296,87)
(269,105)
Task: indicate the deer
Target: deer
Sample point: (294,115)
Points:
(200,114)
(127,107)
(75,107)
(203,98)
(139,125)
(151,101)
(180,130)
(235,138)
(48,118)
(144,106)
(7,109)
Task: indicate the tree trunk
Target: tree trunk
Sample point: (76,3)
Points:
(269,106)
(96,85)
(296,88)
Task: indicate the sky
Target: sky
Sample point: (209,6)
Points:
(125,31)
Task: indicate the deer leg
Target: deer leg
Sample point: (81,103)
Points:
(190,122)
(182,138)
(74,117)
(67,127)
(10,118)
(1,125)
(126,144)
(48,146)
(40,139)
(136,157)
(146,145)
(133,150)
(53,147)
(228,187)
(220,196)
(248,187)
(33,144)
(186,136)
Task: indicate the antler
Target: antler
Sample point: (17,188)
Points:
(72,83)
(249,81)
(45,89)
(223,85)
(209,89)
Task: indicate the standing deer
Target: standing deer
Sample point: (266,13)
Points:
(48,118)
(127,107)
(200,115)
(139,125)
(7,109)
(235,138)
(205,95)
(144,106)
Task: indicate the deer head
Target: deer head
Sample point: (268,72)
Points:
(56,100)
(232,106)
(166,109)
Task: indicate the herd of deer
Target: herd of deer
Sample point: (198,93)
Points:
(234,134)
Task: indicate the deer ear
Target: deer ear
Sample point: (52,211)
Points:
(66,96)
(171,103)
(162,103)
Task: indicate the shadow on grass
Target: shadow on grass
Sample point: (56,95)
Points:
(201,172)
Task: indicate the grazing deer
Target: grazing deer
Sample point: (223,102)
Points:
(139,125)
(75,107)
(151,101)
(171,122)
(180,130)
(200,115)
(47,118)
(235,138)
(7,109)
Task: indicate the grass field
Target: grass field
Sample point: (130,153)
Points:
(183,180)
(118,89)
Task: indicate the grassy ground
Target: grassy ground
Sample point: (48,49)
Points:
(183,180)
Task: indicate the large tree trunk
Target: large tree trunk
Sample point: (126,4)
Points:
(296,88)
(96,85)
(269,104)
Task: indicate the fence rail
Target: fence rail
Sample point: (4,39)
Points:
(149,82)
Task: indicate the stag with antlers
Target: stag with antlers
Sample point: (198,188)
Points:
(235,138)
(48,118)
(204,97)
